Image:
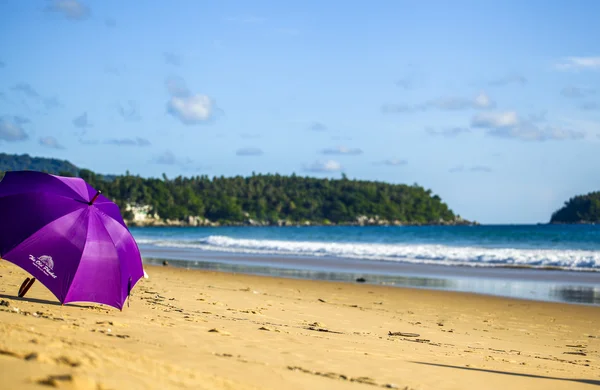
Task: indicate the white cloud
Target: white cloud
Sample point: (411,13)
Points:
(82,121)
(579,63)
(393,162)
(495,119)
(11,131)
(450,132)
(317,126)
(480,102)
(324,166)
(70,9)
(189,108)
(342,150)
(513,78)
(128,142)
(130,112)
(509,125)
(483,101)
(50,142)
(576,92)
(167,158)
(249,152)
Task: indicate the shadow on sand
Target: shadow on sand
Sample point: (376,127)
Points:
(586,381)
(41,301)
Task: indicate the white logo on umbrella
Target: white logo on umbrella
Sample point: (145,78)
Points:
(45,264)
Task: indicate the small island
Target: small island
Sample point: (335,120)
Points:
(583,209)
(258,200)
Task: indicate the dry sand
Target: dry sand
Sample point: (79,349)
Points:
(207,330)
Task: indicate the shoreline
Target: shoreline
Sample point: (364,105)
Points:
(213,330)
(525,283)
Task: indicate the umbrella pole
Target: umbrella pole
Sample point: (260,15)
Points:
(25,287)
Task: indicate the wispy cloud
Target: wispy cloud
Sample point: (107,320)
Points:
(481,101)
(509,125)
(31,93)
(342,150)
(476,168)
(495,119)
(130,112)
(82,121)
(110,22)
(449,132)
(11,130)
(50,142)
(317,126)
(249,152)
(323,166)
(172,58)
(189,108)
(590,106)
(579,63)
(26,89)
(405,83)
(392,162)
(21,120)
(70,9)
(166,158)
(114,70)
(128,142)
(577,92)
(513,78)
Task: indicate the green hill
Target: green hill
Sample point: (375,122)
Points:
(13,162)
(579,209)
(259,199)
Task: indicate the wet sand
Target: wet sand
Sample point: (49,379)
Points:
(209,330)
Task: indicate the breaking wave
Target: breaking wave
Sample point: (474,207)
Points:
(581,260)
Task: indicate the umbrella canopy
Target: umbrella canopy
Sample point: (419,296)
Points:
(69,237)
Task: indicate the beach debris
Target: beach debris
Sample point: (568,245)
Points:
(580,353)
(4,303)
(215,330)
(54,380)
(322,300)
(361,280)
(31,356)
(403,334)
(321,329)
(269,329)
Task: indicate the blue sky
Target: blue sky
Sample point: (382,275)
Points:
(494,105)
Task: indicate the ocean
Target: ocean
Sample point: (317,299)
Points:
(543,262)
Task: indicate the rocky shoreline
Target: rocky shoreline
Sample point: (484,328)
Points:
(196,221)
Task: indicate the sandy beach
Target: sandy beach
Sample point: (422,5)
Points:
(208,330)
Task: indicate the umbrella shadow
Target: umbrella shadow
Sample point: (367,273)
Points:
(41,301)
(586,381)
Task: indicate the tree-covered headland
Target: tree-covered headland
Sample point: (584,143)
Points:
(260,199)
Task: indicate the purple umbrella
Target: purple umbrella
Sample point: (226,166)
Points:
(69,237)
